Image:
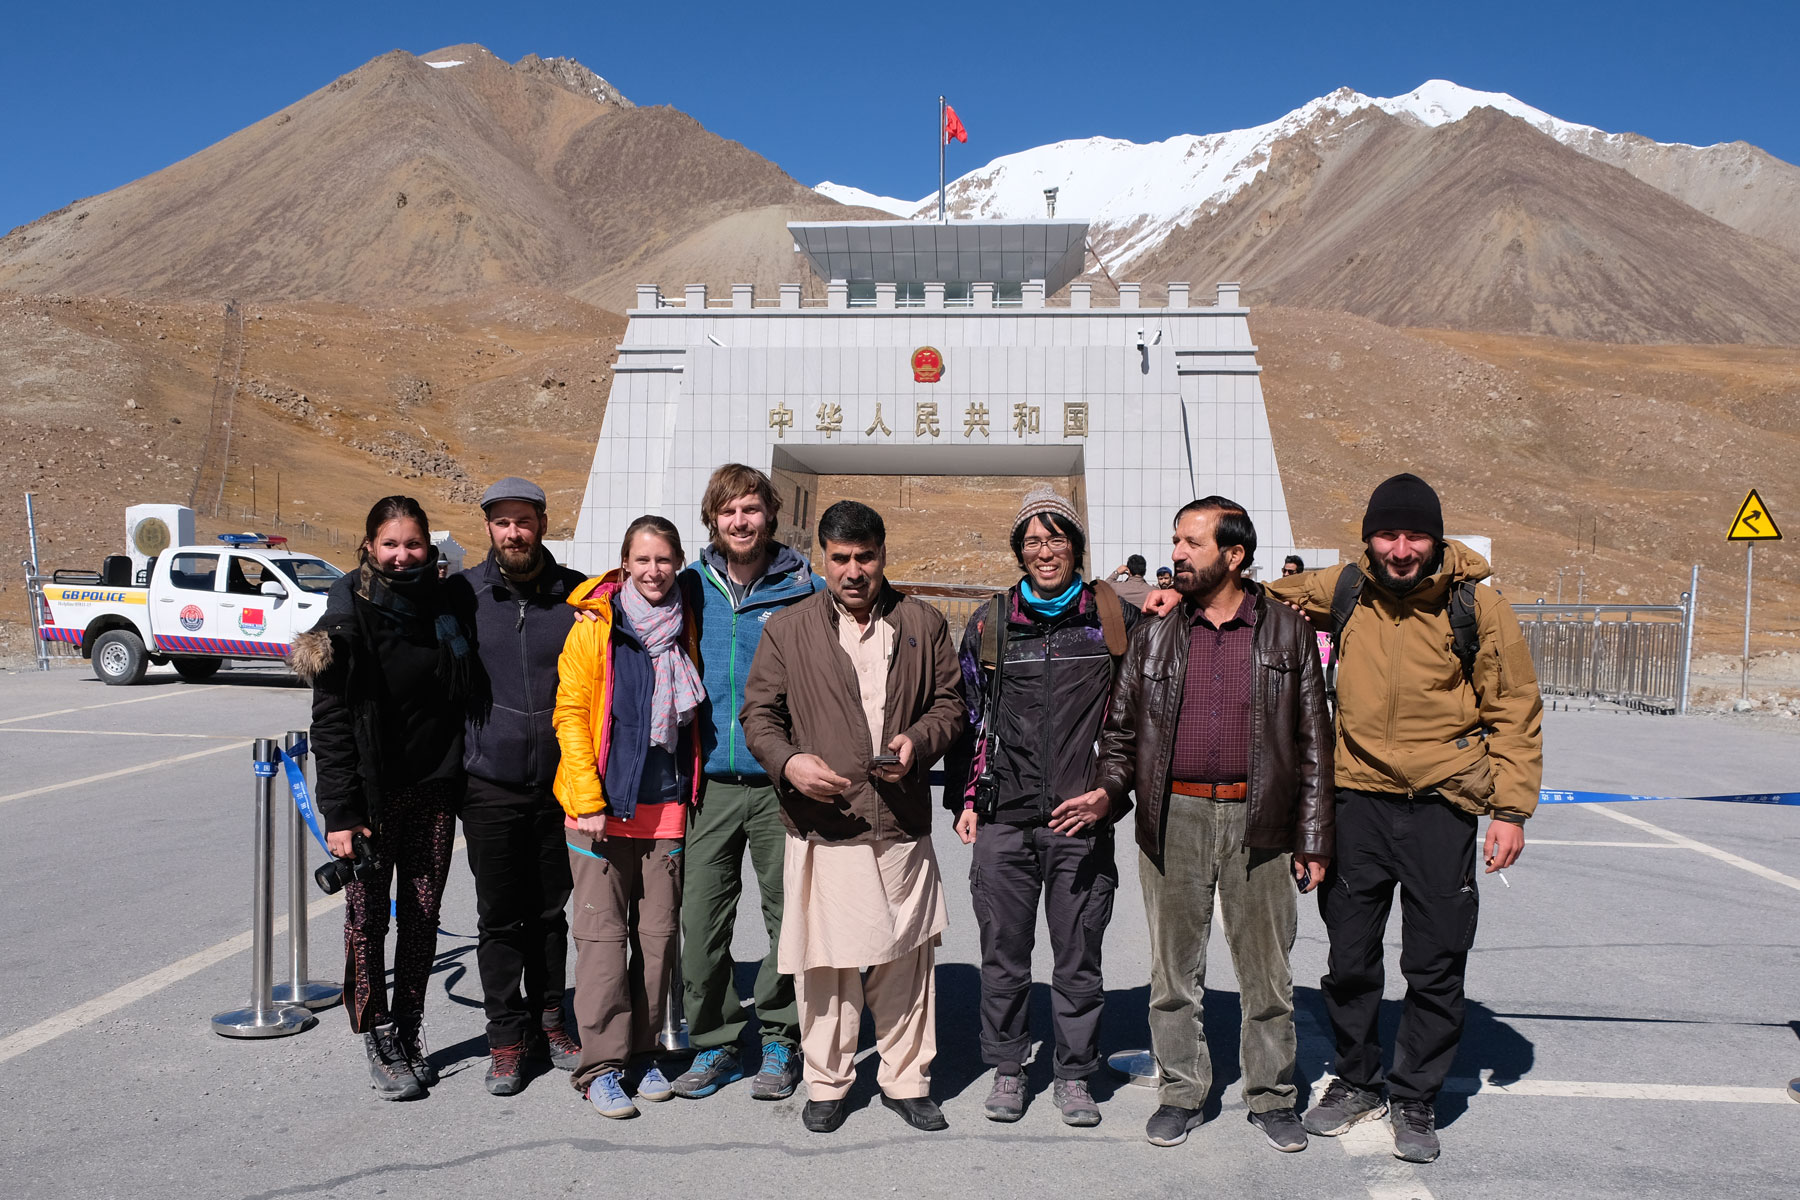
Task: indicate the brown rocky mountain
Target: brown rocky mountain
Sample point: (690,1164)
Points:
(1485,224)
(1747,188)
(402,182)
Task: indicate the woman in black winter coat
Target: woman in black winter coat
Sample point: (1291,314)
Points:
(390,669)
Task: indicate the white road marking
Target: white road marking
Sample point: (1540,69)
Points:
(122,771)
(1681,1093)
(51,1028)
(209,737)
(1724,856)
(1386,1177)
(1620,845)
(186,690)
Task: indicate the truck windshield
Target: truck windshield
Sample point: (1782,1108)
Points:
(312,574)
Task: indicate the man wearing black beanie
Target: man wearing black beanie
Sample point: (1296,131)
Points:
(1425,745)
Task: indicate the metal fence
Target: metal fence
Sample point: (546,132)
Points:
(1635,655)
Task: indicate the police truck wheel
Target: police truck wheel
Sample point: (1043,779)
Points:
(198,670)
(119,657)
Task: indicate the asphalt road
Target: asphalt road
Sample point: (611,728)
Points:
(1634,1014)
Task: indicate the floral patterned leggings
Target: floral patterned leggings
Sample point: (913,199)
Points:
(418,828)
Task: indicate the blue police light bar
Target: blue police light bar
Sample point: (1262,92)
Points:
(270,541)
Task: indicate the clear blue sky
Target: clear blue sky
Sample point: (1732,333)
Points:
(98,94)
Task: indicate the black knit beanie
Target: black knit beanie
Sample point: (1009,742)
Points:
(1404,502)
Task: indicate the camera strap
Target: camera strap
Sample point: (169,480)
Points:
(994,635)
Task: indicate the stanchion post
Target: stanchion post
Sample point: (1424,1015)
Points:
(263,1017)
(312,993)
(674,1034)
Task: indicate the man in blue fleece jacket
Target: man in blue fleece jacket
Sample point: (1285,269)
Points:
(742,579)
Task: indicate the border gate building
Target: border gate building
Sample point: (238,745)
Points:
(939,349)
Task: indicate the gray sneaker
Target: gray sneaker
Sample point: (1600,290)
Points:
(1077,1105)
(710,1071)
(1414,1123)
(1282,1127)
(780,1073)
(1169,1125)
(1342,1106)
(1006,1102)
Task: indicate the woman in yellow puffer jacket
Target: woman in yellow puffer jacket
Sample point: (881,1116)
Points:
(629,688)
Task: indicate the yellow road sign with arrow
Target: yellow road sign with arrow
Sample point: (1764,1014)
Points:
(1753,522)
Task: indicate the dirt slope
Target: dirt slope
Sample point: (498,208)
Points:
(400,182)
(1486,224)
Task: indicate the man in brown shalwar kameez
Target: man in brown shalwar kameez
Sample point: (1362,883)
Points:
(852,696)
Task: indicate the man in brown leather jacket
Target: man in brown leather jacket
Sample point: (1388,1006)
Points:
(1219,725)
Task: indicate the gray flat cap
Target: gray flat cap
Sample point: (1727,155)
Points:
(513,488)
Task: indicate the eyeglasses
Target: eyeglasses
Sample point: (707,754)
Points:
(1032,545)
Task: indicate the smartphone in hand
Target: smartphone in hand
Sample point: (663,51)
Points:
(885,760)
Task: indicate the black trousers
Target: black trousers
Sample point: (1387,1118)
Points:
(522,884)
(1010,869)
(1427,846)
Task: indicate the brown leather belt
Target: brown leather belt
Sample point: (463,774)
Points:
(1210,791)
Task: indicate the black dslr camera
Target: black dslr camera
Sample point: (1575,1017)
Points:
(361,864)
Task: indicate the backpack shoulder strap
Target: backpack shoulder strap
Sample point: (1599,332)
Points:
(1465,626)
(991,630)
(1344,598)
(1112,618)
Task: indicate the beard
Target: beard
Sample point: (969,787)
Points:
(516,560)
(759,549)
(1386,578)
(1191,581)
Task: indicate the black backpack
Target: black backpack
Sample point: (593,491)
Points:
(1465,631)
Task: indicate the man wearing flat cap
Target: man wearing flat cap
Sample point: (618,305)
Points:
(515,601)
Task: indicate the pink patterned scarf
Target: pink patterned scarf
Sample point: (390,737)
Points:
(678,687)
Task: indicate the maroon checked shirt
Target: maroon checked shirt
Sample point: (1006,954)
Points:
(1212,735)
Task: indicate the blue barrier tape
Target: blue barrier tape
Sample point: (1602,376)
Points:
(1782,798)
(296,780)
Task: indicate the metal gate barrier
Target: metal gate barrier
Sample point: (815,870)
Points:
(1635,655)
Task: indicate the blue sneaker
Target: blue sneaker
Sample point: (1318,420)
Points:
(654,1086)
(710,1071)
(780,1073)
(607,1095)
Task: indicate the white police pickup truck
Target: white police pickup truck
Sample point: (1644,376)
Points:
(197,606)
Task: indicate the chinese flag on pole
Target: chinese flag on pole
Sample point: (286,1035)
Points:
(953,127)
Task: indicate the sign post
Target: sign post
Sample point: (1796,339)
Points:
(1753,524)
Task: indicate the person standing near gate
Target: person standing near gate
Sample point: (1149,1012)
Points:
(1439,720)
(1218,723)
(852,697)
(743,578)
(392,672)
(516,602)
(1038,664)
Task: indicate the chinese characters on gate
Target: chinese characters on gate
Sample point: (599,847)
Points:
(933,419)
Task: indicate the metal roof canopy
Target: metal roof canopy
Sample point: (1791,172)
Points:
(957,252)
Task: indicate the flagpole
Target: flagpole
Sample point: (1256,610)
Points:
(941,140)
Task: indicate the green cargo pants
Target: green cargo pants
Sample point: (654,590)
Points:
(733,816)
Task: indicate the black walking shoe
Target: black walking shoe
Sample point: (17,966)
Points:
(389,1072)
(506,1070)
(412,1045)
(564,1050)
(1414,1123)
(824,1116)
(920,1112)
(1169,1125)
(1282,1127)
(1342,1105)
